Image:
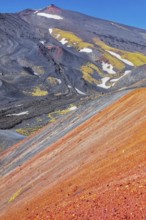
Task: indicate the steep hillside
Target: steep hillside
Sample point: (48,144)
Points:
(53,58)
(96,171)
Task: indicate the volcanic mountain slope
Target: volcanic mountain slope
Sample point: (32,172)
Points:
(96,171)
(51,58)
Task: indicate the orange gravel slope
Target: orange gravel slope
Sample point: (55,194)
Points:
(97,171)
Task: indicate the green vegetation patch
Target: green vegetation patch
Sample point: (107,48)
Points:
(88,70)
(37,91)
(15,195)
(28,130)
(116,63)
(53,81)
(53,115)
(101,44)
(136,58)
(38,69)
(73,40)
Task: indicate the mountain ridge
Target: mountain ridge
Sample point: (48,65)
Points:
(47,59)
(79,12)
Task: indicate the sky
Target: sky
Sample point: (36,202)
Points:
(129,12)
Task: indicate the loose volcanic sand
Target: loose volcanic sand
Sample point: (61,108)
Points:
(97,171)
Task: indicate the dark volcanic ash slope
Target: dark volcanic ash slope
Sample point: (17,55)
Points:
(52,57)
(64,45)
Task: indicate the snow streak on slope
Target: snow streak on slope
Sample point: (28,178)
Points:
(120,58)
(18,114)
(104,81)
(80,92)
(63,41)
(86,50)
(57,17)
(108,68)
(117,79)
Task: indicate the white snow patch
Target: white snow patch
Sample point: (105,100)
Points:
(69,86)
(114,80)
(42,42)
(125,73)
(122,89)
(50,30)
(18,105)
(57,17)
(86,50)
(63,41)
(58,35)
(18,114)
(73,108)
(36,74)
(80,92)
(119,26)
(120,58)
(108,68)
(103,84)
(59,81)
(36,12)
